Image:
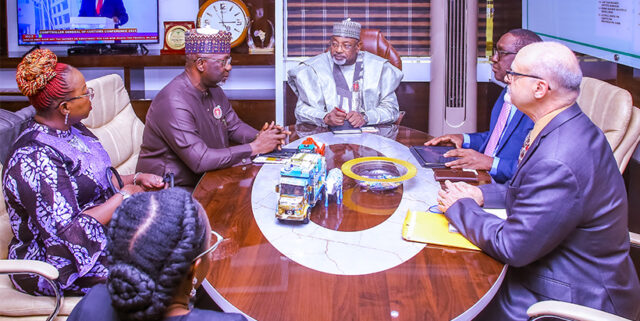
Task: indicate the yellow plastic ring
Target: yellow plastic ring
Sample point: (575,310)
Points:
(411,170)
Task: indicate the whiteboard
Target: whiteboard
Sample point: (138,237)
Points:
(607,29)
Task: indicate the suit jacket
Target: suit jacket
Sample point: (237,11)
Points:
(565,236)
(110,9)
(509,145)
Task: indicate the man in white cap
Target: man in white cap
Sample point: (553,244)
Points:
(190,121)
(346,84)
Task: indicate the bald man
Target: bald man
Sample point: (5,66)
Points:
(565,236)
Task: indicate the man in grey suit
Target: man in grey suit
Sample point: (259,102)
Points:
(565,236)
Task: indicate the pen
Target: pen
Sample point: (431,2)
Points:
(340,109)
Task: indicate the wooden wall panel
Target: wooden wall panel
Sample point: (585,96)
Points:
(507,15)
(253,112)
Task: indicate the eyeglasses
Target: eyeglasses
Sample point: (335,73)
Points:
(219,239)
(223,61)
(345,45)
(90,93)
(511,74)
(501,53)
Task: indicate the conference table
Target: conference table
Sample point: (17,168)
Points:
(350,261)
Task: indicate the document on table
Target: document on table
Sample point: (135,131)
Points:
(432,228)
(276,156)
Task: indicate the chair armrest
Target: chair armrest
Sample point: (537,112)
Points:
(635,239)
(48,271)
(29,266)
(570,311)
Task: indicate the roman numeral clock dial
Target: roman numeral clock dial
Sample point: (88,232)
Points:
(229,15)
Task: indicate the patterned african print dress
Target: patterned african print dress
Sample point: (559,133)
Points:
(51,177)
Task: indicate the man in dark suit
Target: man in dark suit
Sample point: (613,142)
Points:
(495,150)
(105,8)
(565,236)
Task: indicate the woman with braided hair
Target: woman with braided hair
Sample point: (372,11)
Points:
(55,182)
(159,255)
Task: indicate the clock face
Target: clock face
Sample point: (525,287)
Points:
(226,15)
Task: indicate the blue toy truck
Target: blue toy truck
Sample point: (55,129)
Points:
(302,179)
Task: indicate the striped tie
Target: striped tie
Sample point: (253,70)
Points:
(497,130)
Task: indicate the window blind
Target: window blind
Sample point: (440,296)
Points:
(405,23)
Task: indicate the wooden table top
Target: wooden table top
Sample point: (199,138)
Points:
(350,262)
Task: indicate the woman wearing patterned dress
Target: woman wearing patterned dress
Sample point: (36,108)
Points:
(55,182)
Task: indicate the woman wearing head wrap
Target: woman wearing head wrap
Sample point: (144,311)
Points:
(159,254)
(55,182)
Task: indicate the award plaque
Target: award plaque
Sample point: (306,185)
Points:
(174,32)
(260,38)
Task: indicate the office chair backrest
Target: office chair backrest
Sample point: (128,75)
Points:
(611,109)
(374,42)
(115,123)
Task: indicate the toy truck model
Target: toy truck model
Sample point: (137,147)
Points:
(302,178)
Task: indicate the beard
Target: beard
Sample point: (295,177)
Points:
(339,62)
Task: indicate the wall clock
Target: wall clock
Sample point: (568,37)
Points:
(229,15)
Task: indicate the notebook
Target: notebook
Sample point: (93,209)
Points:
(276,156)
(345,128)
(431,156)
(455,175)
(431,228)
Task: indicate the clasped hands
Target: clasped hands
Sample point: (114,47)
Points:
(468,158)
(452,192)
(271,136)
(337,117)
(143,182)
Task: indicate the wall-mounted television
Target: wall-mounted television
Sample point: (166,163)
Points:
(73,22)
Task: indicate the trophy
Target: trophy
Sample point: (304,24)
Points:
(260,34)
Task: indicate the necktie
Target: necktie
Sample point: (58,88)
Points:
(99,6)
(525,147)
(497,130)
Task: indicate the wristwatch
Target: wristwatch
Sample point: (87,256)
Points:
(364,116)
(124,194)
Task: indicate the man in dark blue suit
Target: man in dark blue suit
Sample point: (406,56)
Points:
(105,8)
(566,236)
(497,149)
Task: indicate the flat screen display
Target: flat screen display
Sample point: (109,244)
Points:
(50,22)
(607,29)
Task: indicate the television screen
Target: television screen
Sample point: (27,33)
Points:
(44,22)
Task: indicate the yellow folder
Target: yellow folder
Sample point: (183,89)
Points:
(432,228)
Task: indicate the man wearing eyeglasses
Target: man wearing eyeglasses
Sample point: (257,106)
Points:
(566,236)
(345,84)
(495,150)
(191,123)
